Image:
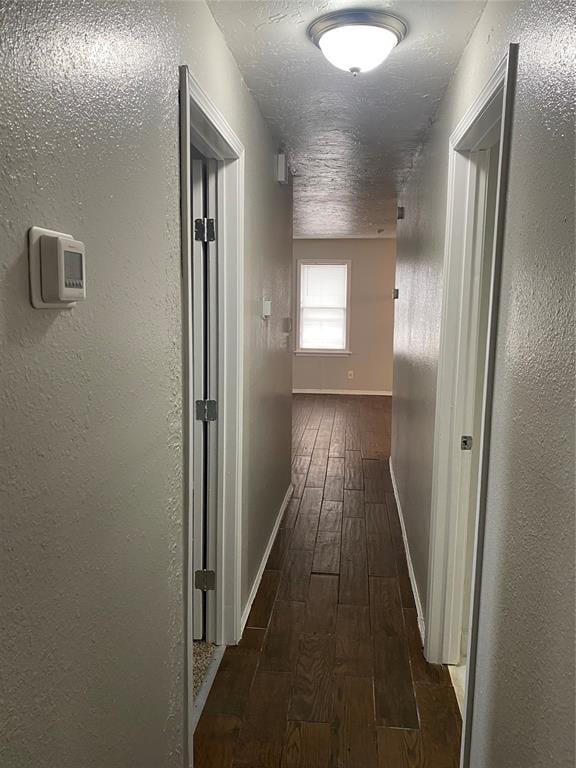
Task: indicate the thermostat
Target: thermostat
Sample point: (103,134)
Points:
(57,269)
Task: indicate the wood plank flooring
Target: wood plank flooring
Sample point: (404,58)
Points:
(330,671)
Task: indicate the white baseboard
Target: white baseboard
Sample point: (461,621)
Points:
(366,236)
(258,579)
(419,611)
(341,392)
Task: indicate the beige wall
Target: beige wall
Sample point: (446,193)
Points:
(91,560)
(371,318)
(524,707)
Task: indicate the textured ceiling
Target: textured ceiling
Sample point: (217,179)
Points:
(350,140)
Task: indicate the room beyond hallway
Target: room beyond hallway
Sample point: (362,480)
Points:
(330,670)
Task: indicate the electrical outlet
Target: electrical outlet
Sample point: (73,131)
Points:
(350,374)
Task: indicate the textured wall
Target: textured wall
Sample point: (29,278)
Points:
(91,654)
(524,713)
(371,318)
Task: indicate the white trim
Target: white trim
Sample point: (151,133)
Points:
(450,516)
(413,584)
(210,132)
(483,113)
(202,696)
(271,540)
(231,383)
(342,392)
(322,352)
(369,236)
(203,125)
(509,93)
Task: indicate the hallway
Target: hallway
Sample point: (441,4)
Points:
(330,670)
(229,231)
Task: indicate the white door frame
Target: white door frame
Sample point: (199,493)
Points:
(202,125)
(450,517)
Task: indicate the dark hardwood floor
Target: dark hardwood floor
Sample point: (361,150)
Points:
(330,671)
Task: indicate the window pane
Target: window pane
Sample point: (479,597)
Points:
(323,285)
(322,328)
(323,297)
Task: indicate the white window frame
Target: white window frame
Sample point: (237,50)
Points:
(324,263)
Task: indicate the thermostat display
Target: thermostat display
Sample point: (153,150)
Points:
(73,272)
(62,271)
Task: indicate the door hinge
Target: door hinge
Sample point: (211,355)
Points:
(395,293)
(206,410)
(466,443)
(205,230)
(205,580)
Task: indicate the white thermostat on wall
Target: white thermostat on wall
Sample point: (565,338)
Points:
(57,269)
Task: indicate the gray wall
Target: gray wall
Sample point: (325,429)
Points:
(524,712)
(371,317)
(91,613)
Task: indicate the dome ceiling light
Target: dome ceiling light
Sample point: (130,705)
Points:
(357,40)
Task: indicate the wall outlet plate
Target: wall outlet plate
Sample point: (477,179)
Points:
(34,235)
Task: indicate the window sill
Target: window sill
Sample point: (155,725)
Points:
(322,352)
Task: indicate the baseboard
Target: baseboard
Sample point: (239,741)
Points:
(258,579)
(341,392)
(419,611)
(366,236)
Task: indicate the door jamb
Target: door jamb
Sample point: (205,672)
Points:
(202,124)
(447,550)
(446,568)
(508,97)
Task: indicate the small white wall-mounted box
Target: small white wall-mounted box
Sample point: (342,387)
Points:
(57,269)
(62,269)
(266,308)
(281,168)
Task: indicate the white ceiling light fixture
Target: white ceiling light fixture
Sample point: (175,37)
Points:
(357,40)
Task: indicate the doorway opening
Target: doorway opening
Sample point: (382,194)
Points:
(212,184)
(204,394)
(204,384)
(477,178)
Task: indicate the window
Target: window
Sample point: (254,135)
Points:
(323,292)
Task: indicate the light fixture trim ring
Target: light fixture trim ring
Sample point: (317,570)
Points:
(355,16)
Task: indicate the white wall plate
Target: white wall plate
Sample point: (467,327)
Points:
(34,235)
